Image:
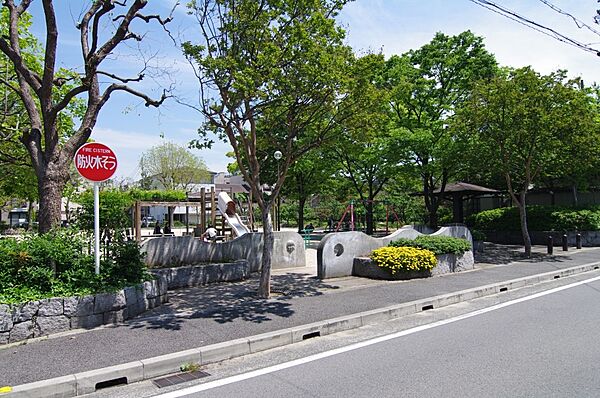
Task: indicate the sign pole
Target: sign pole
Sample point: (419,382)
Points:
(97,227)
(96,163)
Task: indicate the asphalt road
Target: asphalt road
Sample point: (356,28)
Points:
(224,312)
(540,347)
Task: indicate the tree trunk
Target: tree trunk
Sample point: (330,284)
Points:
(431,204)
(264,288)
(30,214)
(575,198)
(369,216)
(170,212)
(50,187)
(432,217)
(301,203)
(524,230)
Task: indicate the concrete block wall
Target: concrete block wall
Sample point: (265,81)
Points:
(196,275)
(44,317)
(588,238)
(288,251)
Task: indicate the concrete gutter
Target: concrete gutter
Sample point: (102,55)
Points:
(87,382)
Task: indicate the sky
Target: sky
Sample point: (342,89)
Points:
(390,26)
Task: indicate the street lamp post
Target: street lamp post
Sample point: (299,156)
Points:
(277,155)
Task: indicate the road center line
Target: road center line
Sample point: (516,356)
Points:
(356,346)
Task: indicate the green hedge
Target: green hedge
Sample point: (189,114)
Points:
(539,218)
(157,195)
(404,259)
(57,265)
(437,244)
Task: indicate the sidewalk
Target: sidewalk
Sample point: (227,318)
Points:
(201,316)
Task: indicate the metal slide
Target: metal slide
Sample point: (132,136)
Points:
(227,208)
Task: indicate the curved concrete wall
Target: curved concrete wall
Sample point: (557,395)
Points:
(288,251)
(336,252)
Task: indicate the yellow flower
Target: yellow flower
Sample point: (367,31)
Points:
(402,259)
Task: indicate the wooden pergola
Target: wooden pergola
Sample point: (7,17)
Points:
(205,200)
(137,214)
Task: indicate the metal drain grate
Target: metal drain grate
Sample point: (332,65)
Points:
(179,378)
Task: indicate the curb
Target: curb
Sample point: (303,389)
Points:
(88,382)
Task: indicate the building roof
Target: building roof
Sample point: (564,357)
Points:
(466,188)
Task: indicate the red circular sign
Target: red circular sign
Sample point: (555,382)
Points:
(95,162)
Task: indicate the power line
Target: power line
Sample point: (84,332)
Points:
(514,16)
(580,24)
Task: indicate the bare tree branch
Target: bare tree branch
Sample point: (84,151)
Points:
(121,87)
(139,78)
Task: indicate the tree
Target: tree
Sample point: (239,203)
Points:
(426,85)
(46,91)
(307,177)
(270,71)
(17,177)
(173,166)
(521,123)
(367,149)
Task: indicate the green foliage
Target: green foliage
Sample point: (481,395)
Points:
(530,127)
(190,367)
(366,149)
(436,244)
(173,166)
(273,75)
(477,235)
(114,210)
(57,264)
(404,259)
(158,195)
(426,85)
(539,218)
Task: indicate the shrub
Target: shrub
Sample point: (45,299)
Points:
(114,210)
(158,195)
(539,218)
(57,265)
(437,244)
(404,259)
(477,235)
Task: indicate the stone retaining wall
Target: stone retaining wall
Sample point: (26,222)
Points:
(54,315)
(196,275)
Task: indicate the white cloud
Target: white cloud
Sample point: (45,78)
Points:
(402,25)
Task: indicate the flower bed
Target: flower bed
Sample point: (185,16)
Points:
(446,263)
(48,316)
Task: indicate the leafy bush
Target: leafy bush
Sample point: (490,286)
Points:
(114,210)
(57,265)
(539,218)
(404,259)
(477,235)
(437,244)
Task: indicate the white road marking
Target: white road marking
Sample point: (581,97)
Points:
(356,346)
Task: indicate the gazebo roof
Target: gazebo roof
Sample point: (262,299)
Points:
(466,188)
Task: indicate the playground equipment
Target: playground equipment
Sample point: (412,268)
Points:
(227,208)
(201,209)
(389,211)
